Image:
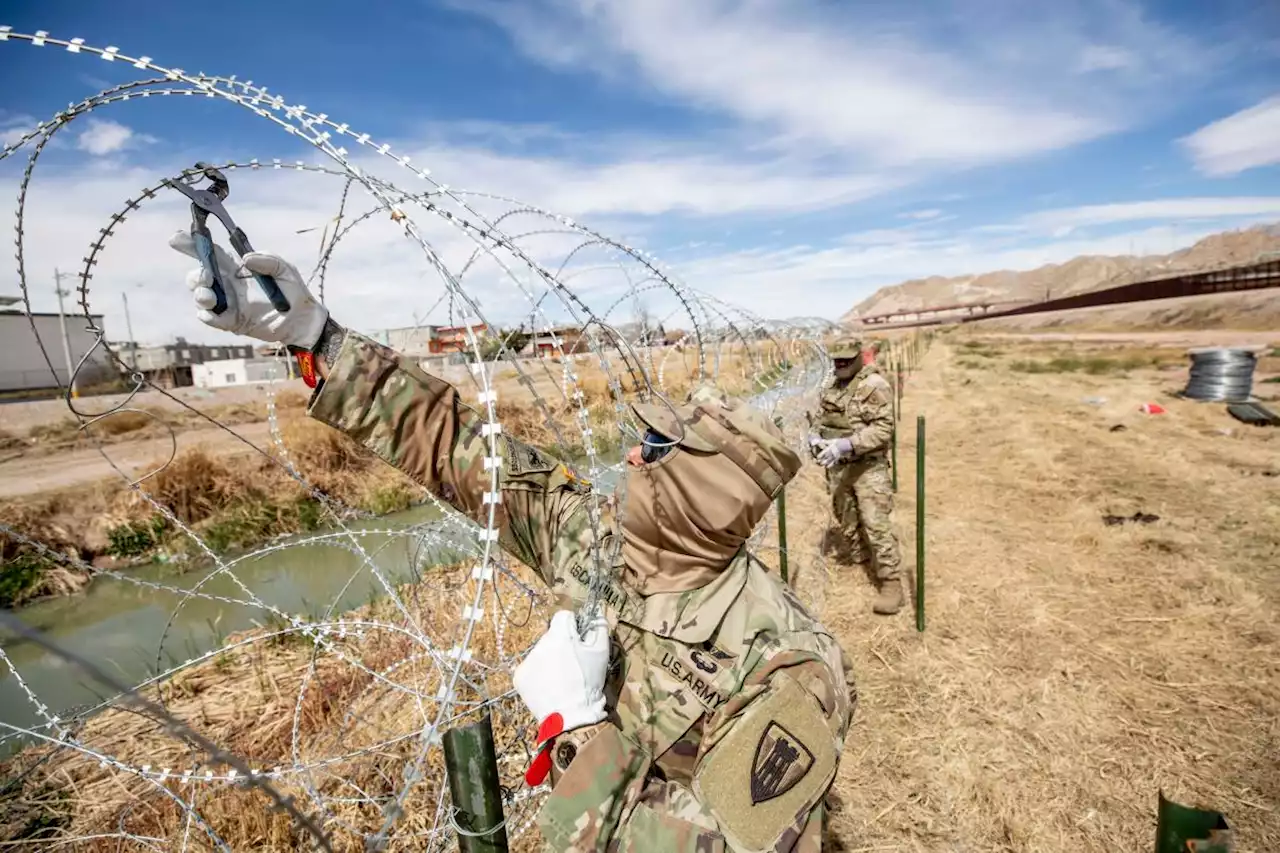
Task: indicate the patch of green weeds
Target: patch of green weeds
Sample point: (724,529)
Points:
(980,349)
(19,576)
(279,629)
(134,539)
(248,524)
(387,499)
(308,514)
(1093,366)
(40,813)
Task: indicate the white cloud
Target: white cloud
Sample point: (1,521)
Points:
(1063,221)
(1096,57)
(641,181)
(879,95)
(933,213)
(378,278)
(104,136)
(12,135)
(942,84)
(13,127)
(1246,140)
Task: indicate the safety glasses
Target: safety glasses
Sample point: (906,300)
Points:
(655,446)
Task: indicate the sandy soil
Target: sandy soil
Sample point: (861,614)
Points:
(29,475)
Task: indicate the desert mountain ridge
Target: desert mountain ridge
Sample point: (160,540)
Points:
(1078,275)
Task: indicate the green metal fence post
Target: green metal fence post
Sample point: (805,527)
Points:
(782,534)
(893,436)
(919,522)
(474,784)
(897,415)
(1179,828)
(782,523)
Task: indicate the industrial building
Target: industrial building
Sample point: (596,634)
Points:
(239,371)
(172,365)
(22,364)
(417,341)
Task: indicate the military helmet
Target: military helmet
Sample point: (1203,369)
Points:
(849,347)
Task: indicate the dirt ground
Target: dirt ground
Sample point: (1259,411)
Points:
(1069,670)
(26,474)
(20,416)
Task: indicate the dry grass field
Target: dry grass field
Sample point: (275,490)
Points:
(1070,670)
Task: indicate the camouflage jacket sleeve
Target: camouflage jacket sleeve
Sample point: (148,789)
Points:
(419,423)
(870,402)
(766,763)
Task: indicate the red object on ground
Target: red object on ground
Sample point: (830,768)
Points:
(1152,408)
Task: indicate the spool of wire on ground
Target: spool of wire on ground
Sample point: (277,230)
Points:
(1221,375)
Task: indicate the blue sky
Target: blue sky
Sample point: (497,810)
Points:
(787,157)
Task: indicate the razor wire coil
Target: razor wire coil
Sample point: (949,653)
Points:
(437,674)
(1221,375)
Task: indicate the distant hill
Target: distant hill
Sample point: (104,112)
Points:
(1078,275)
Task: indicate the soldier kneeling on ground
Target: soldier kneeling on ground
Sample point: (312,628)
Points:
(853,426)
(703,708)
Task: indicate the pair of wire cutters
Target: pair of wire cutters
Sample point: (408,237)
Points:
(209,200)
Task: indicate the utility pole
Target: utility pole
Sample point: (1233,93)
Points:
(62,318)
(133,345)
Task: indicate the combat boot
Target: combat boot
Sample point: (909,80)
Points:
(890,599)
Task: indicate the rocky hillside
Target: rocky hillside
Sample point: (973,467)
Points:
(1085,273)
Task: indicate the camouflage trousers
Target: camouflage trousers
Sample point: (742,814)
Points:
(862,502)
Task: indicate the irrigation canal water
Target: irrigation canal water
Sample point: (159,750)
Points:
(119,626)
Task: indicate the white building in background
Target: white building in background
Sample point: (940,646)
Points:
(239,371)
(23,366)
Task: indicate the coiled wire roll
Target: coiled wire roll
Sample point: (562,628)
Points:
(1221,375)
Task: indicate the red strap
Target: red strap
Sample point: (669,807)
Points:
(307,364)
(539,767)
(551,728)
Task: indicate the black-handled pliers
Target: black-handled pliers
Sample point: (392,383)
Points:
(209,200)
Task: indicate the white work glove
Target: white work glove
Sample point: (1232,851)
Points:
(561,682)
(835,450)
(249,312)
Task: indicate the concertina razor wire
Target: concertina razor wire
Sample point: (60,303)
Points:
(425,655)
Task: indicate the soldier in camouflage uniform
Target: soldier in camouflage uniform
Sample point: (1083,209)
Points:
(854,425)
(706,709)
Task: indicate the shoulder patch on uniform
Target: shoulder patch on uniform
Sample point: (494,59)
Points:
(781,762)
(876,380)
(776,763)
(519,458)
(874,384)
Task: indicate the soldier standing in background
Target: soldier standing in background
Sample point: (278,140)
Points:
(704,708)
(854,425)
